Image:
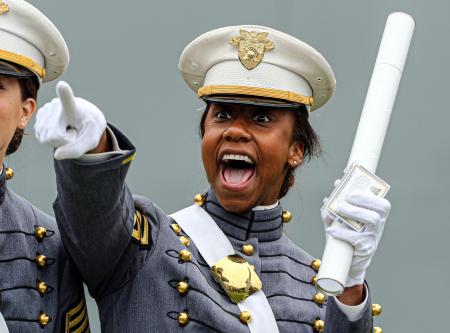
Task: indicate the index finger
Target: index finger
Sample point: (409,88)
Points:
(65,94)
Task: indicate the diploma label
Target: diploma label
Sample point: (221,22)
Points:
(357,178)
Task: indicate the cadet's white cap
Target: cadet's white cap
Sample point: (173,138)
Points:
(251,60)
(29,39)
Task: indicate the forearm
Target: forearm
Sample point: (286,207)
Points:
(104,144)
(352,295)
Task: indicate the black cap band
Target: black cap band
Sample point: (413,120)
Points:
(10,69)
(252,100)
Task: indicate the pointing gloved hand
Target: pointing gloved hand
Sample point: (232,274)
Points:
(366,208)
(70,124)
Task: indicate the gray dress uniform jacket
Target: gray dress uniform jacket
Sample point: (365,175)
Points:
(128,252)
(39,289)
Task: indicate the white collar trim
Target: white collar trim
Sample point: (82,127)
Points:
(266,207)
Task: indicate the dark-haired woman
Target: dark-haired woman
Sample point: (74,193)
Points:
(40,291)
(223,264)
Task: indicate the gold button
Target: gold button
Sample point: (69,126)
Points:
(182,287)
(314,280)
(248,249)
(9,173)
(377,329)
(186,241)
(44,319)
(42,287)
(185,255)
(245,317)
(376,309)
(41,260)
(40,233)
(287,216)
(319,298)
(318,325)
(315,264)
(199,200)
(176,228)
(183,318)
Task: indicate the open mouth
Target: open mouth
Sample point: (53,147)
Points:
(237,170)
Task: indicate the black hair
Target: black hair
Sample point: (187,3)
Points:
(28,89)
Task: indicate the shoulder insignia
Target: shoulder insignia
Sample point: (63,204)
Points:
(141,229)
(76,318)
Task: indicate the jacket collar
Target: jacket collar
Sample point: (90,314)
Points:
(265,225)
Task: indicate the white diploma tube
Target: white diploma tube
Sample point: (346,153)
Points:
(383,86)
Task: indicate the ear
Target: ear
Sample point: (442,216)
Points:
(28,108)
(295,155)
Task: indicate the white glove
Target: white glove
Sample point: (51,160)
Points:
(366,208)
(70,124)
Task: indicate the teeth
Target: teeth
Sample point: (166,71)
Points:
(234,157)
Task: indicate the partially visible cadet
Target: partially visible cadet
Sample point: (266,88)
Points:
(224,264)
(40,291)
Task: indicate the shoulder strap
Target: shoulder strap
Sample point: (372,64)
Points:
(3,327)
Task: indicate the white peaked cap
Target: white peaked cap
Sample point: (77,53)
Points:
(28,38)
(253,60)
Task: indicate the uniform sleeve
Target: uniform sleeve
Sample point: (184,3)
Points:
(338,321)
(114,152)
(95,213)
(353,311)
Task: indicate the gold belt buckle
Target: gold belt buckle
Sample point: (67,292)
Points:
(237,277)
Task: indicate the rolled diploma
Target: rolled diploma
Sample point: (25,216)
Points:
(383,86)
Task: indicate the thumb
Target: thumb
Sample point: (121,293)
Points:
(69,106)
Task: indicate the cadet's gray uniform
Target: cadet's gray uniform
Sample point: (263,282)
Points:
(135,284)
(35,289)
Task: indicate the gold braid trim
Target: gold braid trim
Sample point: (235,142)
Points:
(141,229)
(77,320)
(255,91)
(23,61)
(129,159)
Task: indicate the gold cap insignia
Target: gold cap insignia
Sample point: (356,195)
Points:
(4,8)
(251,46)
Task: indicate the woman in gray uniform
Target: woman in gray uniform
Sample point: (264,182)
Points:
(39,289)
(224,263)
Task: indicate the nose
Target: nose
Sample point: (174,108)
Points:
(237,131)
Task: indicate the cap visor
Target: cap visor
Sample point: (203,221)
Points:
(251,100)
(9,69)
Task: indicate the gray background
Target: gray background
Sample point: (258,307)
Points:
(124,59)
